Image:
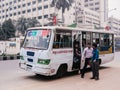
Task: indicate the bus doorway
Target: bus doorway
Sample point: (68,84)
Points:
(76,51)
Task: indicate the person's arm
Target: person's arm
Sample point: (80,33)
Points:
(83,54)
(96,55)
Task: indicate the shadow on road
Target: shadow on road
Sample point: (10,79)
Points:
(52,78)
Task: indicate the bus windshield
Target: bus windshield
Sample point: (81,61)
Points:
(38,39)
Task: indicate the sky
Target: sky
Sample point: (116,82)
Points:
(114,4)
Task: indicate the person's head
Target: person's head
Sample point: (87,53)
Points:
(94,45)
(88,45)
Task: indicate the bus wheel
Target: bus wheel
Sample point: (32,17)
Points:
(61,71)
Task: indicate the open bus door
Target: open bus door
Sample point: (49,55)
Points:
(76,50)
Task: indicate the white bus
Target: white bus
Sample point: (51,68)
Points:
(49,50)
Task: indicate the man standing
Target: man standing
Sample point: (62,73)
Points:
(95,62)
(87,55)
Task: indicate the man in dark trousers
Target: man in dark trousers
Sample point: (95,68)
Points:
(95,62)
(86,55)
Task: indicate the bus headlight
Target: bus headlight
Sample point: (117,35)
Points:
(43,61)
(21,58)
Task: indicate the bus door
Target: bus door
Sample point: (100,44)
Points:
(76,50)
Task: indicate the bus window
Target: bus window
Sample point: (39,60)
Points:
(86,38)
(63,39)
(95,38)
(106,43)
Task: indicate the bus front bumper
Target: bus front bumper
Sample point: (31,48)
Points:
(36,69)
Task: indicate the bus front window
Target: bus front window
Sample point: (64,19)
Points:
(37,39)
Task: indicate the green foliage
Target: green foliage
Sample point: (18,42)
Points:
(7,31)
(23,24)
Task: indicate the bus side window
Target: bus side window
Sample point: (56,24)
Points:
(63,39)
(56,41)
(96,38)
(105,42)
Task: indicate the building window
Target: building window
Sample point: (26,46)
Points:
(39,1)
(6,4)
(39,8)
(45,16)
(96,8)
(97,3)
(3,5)
(23,12)
(29,10)
(15,7)
(3,11)
(39,17)
(46,6)
(19,0)
(34,2)
(14,1)
(86,5)
(34,9)
(10,14)
(14,14)
(10,8)
(6,15)
(19,6)
(29,4)
(6,9)
(91,4)
(18,13)
(10,3)
(86,0)
(24,5)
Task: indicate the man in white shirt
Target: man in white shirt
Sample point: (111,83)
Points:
(87,55)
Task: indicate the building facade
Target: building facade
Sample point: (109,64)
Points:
(88,18)
(67,12)
(114,25)
(14,9)
(100,6)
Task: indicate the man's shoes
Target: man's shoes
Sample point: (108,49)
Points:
(82,76)
(92,78)
(97,78)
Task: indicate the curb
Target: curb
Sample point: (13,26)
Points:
(3,58)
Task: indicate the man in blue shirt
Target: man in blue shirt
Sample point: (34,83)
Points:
(95,62)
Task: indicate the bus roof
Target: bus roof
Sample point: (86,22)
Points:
(70,28)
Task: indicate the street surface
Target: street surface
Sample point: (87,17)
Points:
(13,78)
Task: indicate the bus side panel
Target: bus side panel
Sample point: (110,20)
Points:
(105,58)
(62,56)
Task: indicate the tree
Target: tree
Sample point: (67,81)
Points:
(23,24)
(8,30)
(64,4)
(32,22)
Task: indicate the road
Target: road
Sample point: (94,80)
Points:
(13,78)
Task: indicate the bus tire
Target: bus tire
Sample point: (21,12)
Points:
(61,71)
